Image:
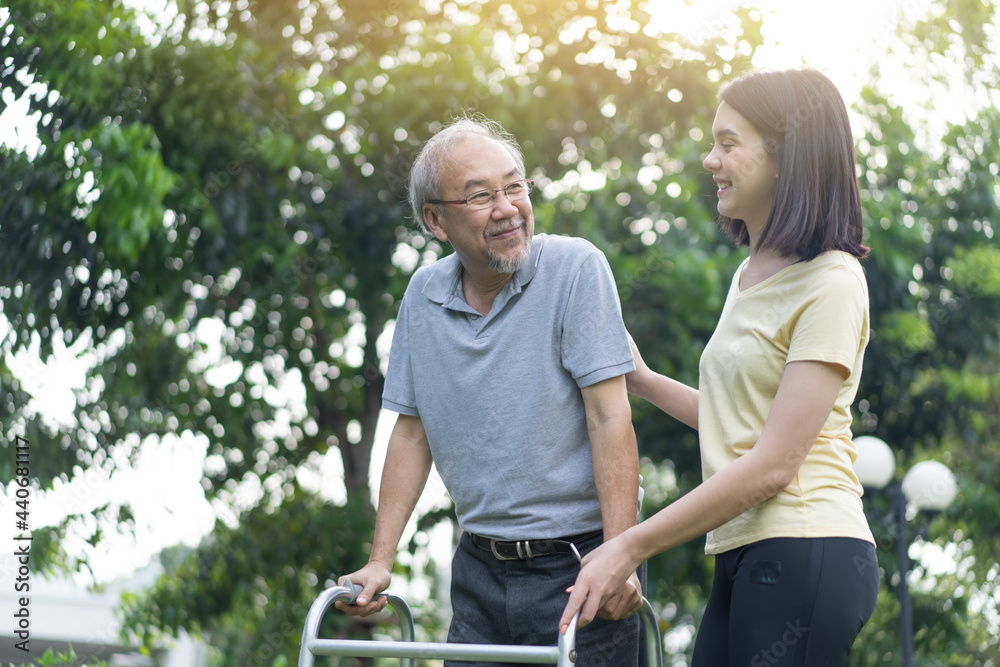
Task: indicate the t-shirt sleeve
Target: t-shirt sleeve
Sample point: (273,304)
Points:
(831,325)
(398,395)
(594,341)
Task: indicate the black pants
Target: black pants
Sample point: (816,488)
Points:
(520,602)
(788,601)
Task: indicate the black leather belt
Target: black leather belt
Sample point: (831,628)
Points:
(527,549)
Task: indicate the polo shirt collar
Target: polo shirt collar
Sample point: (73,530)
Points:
(443,285)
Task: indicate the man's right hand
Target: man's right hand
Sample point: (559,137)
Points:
(374,578)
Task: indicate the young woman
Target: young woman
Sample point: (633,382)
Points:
(795,572)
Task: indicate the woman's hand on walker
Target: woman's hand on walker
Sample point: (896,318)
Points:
(627,602)
(603,574)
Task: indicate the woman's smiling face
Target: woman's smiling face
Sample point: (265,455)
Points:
(746,174)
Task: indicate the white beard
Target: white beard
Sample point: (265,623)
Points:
(509,264)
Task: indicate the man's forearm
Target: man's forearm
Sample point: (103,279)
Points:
(613,448)
(407,465)
(616,474)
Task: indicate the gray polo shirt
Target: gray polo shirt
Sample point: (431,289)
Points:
(499,396)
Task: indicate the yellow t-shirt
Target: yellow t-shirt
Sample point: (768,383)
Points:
(809,311)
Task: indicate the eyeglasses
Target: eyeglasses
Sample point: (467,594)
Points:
(485,198)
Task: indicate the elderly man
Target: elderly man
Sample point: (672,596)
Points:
(507,370)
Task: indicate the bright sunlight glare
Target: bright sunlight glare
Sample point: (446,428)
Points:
(838,39)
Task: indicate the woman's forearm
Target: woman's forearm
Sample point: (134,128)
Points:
(675,398)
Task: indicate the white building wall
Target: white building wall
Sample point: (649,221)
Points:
(63,613)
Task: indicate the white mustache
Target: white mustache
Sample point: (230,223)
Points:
(500,229)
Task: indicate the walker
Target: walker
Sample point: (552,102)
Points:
(562,655)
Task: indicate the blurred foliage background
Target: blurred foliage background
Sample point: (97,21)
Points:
(215,214)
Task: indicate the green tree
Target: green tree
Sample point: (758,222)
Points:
(930,385)
(233,180)
(181,181)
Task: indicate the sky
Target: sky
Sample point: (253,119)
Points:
(840,39)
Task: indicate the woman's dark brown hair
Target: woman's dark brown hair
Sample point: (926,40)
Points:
(803,119)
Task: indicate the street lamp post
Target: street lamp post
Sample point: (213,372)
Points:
(928,486)
(897,509)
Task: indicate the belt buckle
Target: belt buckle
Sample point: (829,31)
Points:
(521,555)
(496,554)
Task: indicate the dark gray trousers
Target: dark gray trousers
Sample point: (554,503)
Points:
(521,601)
